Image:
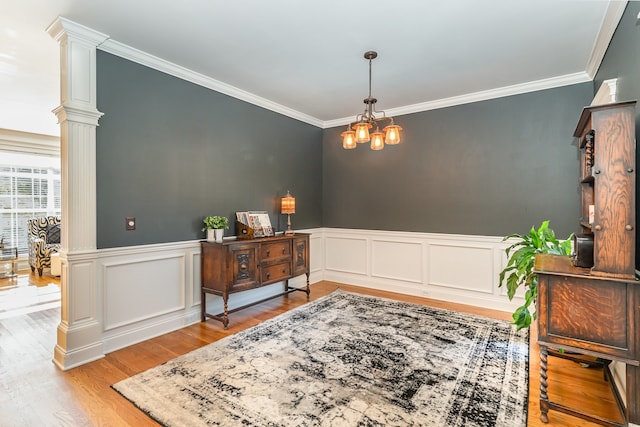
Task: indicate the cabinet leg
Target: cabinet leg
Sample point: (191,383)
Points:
(633,394)
(544,397)
(286,288)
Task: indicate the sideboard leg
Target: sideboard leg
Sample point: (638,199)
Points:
(203,305)
(225,312)
(308,291)
(544,397)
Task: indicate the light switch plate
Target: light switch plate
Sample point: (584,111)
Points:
(130,223)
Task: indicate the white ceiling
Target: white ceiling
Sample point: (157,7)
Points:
(306,57)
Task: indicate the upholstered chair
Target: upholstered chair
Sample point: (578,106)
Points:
(44,240)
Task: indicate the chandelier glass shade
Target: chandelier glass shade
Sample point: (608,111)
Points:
(358,132)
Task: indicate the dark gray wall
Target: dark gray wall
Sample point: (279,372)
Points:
(489,168)
(622,61)
(170,152)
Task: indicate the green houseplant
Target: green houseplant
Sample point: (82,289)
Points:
(214,226)
(519,269)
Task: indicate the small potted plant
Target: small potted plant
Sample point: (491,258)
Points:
(519,270)
(214,226)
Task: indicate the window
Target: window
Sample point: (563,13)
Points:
(29,188)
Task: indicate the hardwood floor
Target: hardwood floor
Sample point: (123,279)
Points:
(35,393)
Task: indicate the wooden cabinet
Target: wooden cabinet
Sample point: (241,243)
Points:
(606,137)
(595,310)
(240,265)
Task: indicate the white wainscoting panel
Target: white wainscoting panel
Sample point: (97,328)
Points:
(81,310)
(397,260)
(347,254)
(461,266)
(193,277)
(140,289)
(147,291)
(316,250)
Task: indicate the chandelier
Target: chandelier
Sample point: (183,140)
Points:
(358,131)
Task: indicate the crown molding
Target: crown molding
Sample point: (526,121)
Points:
(518,89)
(61,27)
(612,17)
(607,93)
(148,60)
(18,141)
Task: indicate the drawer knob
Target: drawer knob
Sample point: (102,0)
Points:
(630,170)
(628,227)
(598,227)
(283,270)
(596,171)
(283,250)
(268,275)
(268,252)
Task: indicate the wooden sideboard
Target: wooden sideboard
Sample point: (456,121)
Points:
(240,265)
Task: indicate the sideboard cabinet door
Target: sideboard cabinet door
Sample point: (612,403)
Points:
(243,266)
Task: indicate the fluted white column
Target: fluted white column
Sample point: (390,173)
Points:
(80,328)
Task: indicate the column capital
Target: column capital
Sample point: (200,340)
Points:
(78,115)
(62,29)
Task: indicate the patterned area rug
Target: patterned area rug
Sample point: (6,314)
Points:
(347,360)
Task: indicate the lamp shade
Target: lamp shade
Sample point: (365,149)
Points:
(362,132)
(377,140)
(348,139)
(392,134)
(288,204)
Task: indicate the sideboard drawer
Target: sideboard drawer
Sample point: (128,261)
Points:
(273,250)
(276,272)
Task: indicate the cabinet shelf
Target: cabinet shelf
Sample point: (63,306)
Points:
(585,224)
(588,180)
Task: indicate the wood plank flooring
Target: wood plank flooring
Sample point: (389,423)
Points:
(33,392)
